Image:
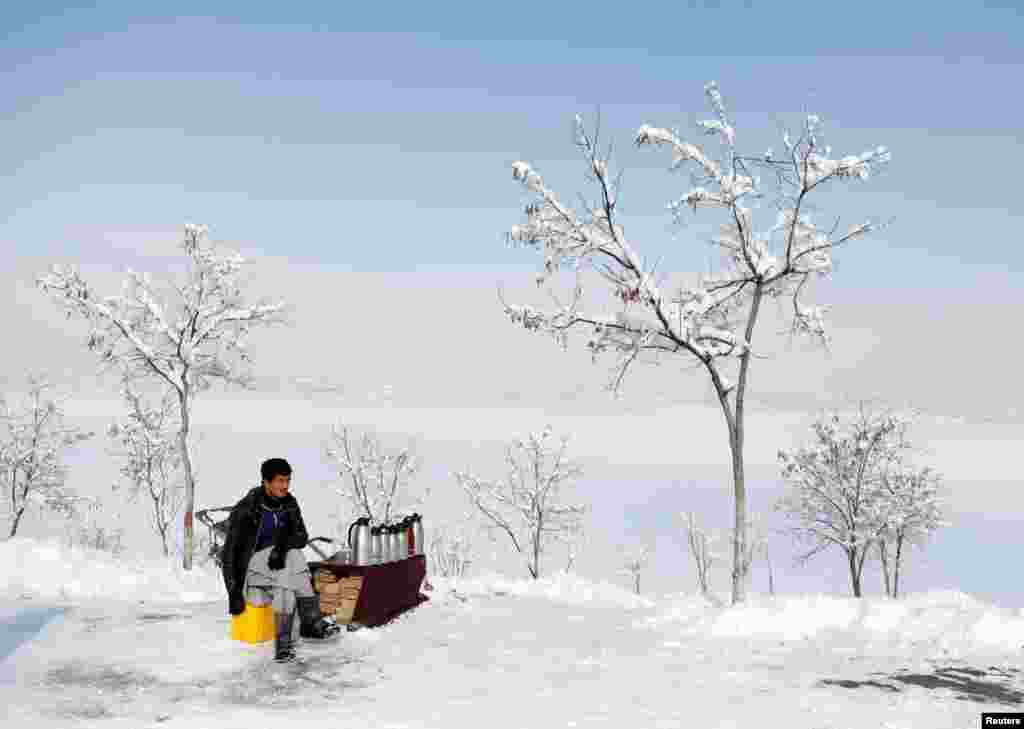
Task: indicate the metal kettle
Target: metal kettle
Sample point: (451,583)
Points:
(410,537)
(394,552)
(417,535)
(376,545)
(402,541)
(385,543)
(360,543)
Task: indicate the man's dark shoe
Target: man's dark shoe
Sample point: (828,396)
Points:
(284,650)
(311,623)
(285,656)
(321,629)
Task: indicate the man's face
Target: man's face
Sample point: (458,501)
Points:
(278,486)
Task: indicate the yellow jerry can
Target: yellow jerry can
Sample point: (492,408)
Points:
(254,625)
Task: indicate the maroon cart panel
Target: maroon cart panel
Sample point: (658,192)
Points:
(386,590)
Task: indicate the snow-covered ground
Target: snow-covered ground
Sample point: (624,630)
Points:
(145,645)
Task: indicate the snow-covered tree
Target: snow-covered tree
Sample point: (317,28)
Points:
(185,337)
(576,539)
(89,526)
(712,323)
(146,440)
(757,547)
(913,510)
(635,561)
(452,546)
(768,562)
(528,505)
(707,549)
(834,493)
(33,445)
(375,481)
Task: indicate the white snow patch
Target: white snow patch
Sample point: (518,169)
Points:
(562,587)
(51,570)
(947,619)
(507,653)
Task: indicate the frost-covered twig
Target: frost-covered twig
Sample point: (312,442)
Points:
(185,343)
(375,482)
(712,323)
(848,488)
(147,443)
(33,445)
(527,506)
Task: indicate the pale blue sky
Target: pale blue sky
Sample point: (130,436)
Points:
(327,141)
(297,135)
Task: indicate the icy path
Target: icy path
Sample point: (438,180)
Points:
(494,661)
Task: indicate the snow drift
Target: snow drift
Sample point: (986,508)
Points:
(51,570)
(561,587)
(942,619)
(946,619)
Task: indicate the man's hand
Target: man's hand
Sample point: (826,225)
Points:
(236,604)
(276,560)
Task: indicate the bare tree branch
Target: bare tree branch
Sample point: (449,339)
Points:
(527,507)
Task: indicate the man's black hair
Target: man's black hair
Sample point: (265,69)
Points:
(275,467)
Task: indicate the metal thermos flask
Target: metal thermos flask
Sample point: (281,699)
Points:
(385,543)
(376,545)
(417,531)
(359,542)
(402,547)
(393,543)
(410,537)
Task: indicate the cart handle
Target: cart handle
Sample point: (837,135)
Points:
(316,549)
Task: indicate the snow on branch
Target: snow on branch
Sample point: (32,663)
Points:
(33,444)
(708,548)
(912,509)
(188,342)
(376,482)
(527,506)
(635,561)
(452,547)
(848,488)
(185,341)
(715,321)
(705,322)
(147,444)
(682,151)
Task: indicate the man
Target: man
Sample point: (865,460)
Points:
(263,562)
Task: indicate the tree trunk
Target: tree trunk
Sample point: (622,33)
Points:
(771,578)
(739,568)
(701,555)
(896,566)
(163,540)
(636,584)
(14,502)
(883,557)
(851,554)
(154,497)
(190,485)
(17,520)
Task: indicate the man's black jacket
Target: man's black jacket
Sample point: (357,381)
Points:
(240,542)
